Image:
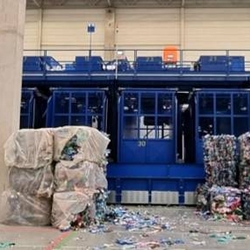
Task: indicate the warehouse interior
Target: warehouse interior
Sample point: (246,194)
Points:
(155,75)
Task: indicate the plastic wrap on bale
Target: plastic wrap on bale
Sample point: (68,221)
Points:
(80,144)
(35,182)
(22,209)
(29,148)
(68,206)
(71,176)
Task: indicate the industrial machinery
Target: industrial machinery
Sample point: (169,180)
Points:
(69,106)
(27,108)
(147,126)
(220,111)
(155,110)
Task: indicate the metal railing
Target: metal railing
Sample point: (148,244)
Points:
(148,60)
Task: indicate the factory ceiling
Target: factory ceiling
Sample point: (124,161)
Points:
(138,4)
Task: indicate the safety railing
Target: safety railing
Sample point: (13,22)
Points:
(136,62)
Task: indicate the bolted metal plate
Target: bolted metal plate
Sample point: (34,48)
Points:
(135,197)
(111,197)
(165,198)
(189,198)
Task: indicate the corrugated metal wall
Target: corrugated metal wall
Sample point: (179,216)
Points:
(64,29)
(140,28)
(68,28)
(144,27)
(32,30)
(218,29)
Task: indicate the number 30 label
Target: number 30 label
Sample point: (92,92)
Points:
(142,143)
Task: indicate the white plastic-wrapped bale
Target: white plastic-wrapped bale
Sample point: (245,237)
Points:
(68,206)
(29,148)
(80,144)
(71,176)
(20,209)
(37,182)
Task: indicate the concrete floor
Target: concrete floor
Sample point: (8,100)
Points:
(181,220)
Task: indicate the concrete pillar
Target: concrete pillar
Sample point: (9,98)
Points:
(109,33)
(12,21)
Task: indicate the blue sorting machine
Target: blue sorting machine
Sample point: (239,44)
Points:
(69,106)
(27,108)
(142,65)
(147,171)
(149,64)
(221,64)
(147,121)
(40,63)
(220,112)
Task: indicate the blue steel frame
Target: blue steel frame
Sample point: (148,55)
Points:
(27,108)
(179,178)
(136,146)
(220,111)
(79,108)
(215,66)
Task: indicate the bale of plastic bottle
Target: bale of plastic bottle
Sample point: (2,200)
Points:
(23,209)
(71,176)
(80,144)
(29,148)
(70,208)
(37,182)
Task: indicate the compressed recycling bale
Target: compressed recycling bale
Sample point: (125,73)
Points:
(20,209)
(244,148)
(35,182)
(244,165)
(220,157)
(202,197)
(80,144)
(71,176)
(29,148)
(226,201)
(67,206)
(221,173)
(219,147)
(244,176)
(246,205)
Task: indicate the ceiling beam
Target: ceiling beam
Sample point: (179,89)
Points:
(94,2)
(164,2)
(110,3)
(58,2)
(130,2)
(38,3)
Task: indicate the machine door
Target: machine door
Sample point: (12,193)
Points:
(27,109)
(220,112)
(147,126)
(77,107)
